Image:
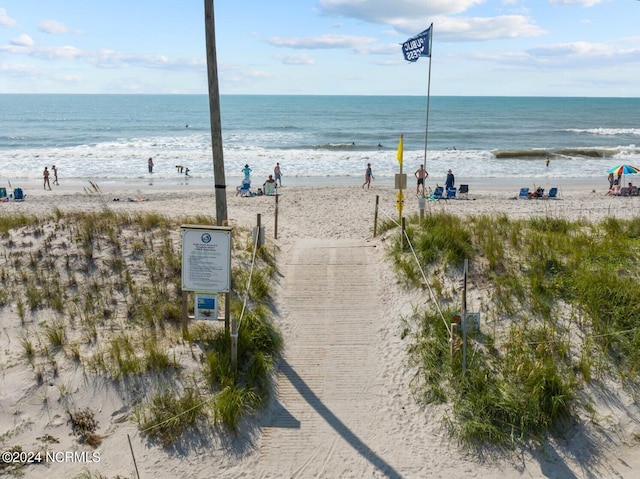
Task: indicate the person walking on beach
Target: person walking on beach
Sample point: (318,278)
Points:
(420,174)
(45,175)
(368,176)
(277,173)
(450,181)
(150,163)
(247,172)
(55,175)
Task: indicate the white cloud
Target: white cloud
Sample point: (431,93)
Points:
(5,20)
(53,53)
(561,56)
(23,40)
(389,12)
(21,71)
(53,27)
(295,59)
(571,49)
(479,28)
(323,42)
(584,3)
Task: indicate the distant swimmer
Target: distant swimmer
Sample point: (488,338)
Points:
(548,161)
(379,145)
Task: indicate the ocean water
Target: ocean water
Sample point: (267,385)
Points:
(110,137)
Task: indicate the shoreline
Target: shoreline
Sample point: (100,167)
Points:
(476,184)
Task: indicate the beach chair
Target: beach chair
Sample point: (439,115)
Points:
(451,192)
(244,189)
(18,194)
(553,192)
(524,194)
(464,190)
(437,193)
(3,193)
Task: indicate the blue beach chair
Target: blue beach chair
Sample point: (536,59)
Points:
(18,194)
(553,192)
(437,193)
(451,192)
(524,194)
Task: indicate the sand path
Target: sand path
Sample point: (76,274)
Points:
(326,420)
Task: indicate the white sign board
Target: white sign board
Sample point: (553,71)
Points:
(206,258)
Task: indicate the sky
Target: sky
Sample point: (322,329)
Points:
(585,48)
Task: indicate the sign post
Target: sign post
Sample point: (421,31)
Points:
(206,269)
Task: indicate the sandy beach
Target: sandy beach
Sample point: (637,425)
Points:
(326,421)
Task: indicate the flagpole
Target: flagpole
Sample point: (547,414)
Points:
(426,131)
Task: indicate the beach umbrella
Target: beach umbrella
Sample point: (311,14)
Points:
(624,170)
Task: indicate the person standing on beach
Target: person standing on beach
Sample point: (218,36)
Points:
(247,172)
(55,175)
(45,175)
(150,163)
(610,180)
(450,181)
(420,174)
(277,173)
(368,176)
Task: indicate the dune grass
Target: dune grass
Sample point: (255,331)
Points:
(562,310)
(102,291)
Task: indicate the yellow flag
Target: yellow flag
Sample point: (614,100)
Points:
(399,154)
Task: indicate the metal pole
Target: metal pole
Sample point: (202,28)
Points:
(426,132)
(214,111)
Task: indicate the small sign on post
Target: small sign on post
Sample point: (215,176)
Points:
(206,307)
(401,181)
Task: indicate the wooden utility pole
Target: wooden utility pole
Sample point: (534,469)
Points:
(222,218)
(214,111)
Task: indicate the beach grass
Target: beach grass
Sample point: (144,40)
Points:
(102,290)
(563,311)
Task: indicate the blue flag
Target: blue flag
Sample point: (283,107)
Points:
(417,46)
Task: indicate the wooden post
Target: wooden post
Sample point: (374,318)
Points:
(259,239)
(134,457)
(275,226)
(234,342)
(375,217)
(464,318)
(185,315)
(214,111)
(227,311)
(454,330)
